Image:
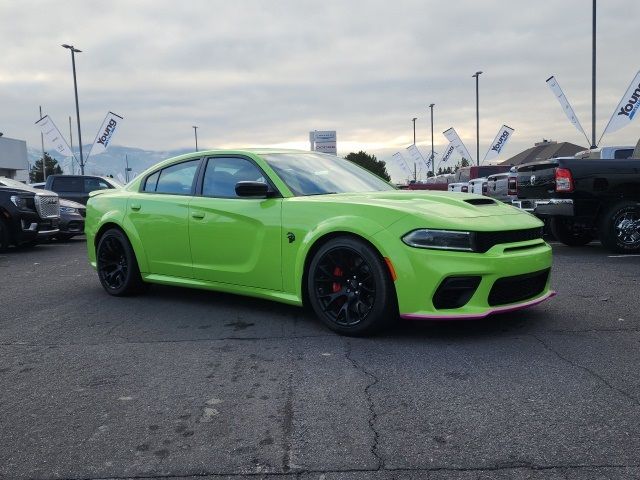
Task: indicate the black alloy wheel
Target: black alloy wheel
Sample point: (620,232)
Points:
(117,265)
(349,287)
(620,228)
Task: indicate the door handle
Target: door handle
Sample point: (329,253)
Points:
(135,206)
(197,215)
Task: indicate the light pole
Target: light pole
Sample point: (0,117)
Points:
(195,132)
(433,158)
(477,76)
(415,170)
(593,79)
(75,88)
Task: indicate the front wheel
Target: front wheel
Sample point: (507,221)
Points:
(117,265)
(350,289)
(568,232)
(620,228)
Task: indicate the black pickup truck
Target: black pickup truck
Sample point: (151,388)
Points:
(27,216)
(582,199)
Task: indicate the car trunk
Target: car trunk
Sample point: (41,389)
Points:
(537,180)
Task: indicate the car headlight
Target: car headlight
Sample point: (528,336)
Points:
(69,210)
(439,239)
(19,202)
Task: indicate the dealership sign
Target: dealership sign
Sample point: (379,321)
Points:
(503,136)
(105,134)
(323,141)
(53,136)
(626,110)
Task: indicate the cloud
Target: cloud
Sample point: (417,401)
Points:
(265,73)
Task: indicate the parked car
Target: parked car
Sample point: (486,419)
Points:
(26,215)
(77,187)
(503,186)
(464,174)
(460,187)
(310,228)
(584,199)
(614,153)
(478,186)
(72,216)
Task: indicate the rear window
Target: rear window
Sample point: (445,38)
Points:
(67,184)
(623,154)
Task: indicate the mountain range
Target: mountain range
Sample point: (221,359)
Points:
(111,162)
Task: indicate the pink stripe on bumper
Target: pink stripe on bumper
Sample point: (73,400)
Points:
(491,311)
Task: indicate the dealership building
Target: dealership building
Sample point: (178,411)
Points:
(13,158)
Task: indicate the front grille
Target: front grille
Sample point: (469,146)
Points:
(518,288)
(483,241)
(47,206)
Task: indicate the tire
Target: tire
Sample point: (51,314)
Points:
(117,264)
(619,228)
(350,289)
(566,232)
(4,237)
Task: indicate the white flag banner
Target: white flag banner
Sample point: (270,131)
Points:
(564,103)
(416,156)
(53,135)
(401,162)
(105,134)
(447,152)
(626,110)
(453,137)
(503,136)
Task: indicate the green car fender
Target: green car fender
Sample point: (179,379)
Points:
(296,255)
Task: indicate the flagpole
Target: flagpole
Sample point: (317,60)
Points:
(44,166)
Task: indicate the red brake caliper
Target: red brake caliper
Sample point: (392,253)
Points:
(336,287)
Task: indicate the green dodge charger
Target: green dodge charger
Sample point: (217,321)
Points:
(307,228)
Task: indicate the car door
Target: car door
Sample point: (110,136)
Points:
(159,213)
(235,240)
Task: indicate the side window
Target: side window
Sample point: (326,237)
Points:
(67,184)
(91,184)
(222,174)
(152,181)
(176,179)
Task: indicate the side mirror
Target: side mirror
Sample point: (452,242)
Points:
(252,189)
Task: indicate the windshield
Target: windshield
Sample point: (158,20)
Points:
(318,174)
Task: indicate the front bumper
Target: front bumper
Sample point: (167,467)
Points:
(72,224)
(548,207)
(35,227)
(423,271)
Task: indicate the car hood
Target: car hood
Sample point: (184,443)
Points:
(424,203)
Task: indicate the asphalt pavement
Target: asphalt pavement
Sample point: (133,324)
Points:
(192,384)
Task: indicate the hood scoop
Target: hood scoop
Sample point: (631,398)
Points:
(481,201)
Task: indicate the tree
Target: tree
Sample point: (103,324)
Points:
(463,163)
(36,174)
(371,163)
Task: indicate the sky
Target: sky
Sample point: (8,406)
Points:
(265,73)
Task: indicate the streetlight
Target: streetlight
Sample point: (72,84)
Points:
(415,170)
(195,132)
(433,158)
(477,76)
(593,79)
(75,88)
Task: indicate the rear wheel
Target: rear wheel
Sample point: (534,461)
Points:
(4,236)
(117,265)
(620,228)
(568,232)
(350,289)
